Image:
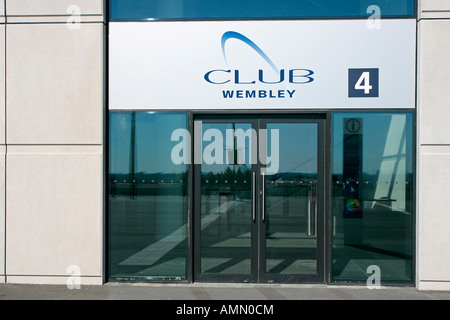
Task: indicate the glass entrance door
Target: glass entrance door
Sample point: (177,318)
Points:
(225,220)
(291,232)
(258,199)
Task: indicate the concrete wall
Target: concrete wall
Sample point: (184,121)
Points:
(433,205)
(51,140)
(2,142)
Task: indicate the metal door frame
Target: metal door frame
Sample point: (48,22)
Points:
(258,275)
(321,211)
(198,275)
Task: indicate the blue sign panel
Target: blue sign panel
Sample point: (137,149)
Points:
(363,83)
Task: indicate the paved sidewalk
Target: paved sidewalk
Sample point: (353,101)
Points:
(121,291)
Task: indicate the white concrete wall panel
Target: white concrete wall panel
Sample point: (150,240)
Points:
(434,9)
(55,111)
(434,219)
(54,212)
(55,84)
(2,84)
(2,213)
(52,7)
(2,146)
(434,5)
(434,81)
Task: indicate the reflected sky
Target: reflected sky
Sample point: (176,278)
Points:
(214,9)
(298,146)
(385,136)
(291,147)
(153,141)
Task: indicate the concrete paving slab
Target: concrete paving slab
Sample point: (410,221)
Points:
(193,292)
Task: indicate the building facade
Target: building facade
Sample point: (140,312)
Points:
(168,141)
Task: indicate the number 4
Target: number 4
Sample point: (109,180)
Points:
(365,77)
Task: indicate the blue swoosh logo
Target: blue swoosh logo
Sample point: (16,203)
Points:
(236,35)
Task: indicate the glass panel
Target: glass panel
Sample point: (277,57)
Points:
(291,242)
(251,9)
(148,198)
(226,198)
(373,196)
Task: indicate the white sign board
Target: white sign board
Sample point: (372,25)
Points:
(312,64)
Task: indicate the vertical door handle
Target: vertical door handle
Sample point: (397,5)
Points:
(254,197)
(263,198)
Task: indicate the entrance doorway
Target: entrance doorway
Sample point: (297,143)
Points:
(259,199)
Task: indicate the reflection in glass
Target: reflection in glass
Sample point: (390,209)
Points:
(226,199)
(147,197)
(291,242)
(251,9)
(381,233)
